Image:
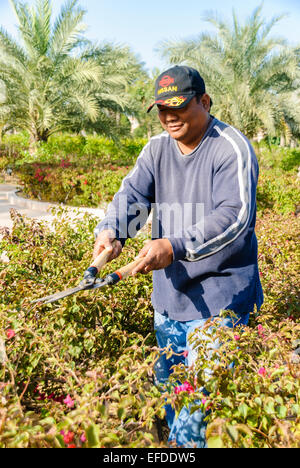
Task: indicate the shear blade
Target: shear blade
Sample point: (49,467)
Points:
(59,295)
(68,292)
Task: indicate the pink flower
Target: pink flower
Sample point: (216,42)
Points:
(65,163)
(185,387)
(68,437)
(261,330)
(83,437)
(185,353)
(10,333)
(262,371)
(237,337)
(69,402)
(42,396)
(209,406)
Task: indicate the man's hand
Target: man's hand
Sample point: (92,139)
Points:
(105,241)
(157,254)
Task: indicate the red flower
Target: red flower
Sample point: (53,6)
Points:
(185,387)
(261,330)
(262,371)
(203,401)
(10,333)
(65,163)
(85,182)
(69,402)
(68,437)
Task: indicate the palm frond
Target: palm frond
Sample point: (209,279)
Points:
(68,29)
(244,69)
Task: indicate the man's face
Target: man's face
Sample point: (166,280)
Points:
(187,124)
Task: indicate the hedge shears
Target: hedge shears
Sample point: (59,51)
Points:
(90,281)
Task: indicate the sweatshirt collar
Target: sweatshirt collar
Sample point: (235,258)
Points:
(211,124)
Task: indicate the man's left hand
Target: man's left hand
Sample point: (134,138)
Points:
(157,254)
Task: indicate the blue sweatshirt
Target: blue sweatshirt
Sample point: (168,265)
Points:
(205,204)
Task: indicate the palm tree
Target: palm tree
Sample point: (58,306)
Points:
(142,92)
(52,81)
(246,72)
(119,69)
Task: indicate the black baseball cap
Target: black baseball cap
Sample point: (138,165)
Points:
(176,87)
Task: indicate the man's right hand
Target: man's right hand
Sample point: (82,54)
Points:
(105,241)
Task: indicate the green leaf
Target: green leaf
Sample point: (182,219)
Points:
(233,433)
(269,407)
(258,401)
(215,442)
(92,433)
(277,372)
(296,409)
(113,437)
(281,411)
(48,420)
(279,400)
(228,402)
(272,352)
(121,413)
(243,410)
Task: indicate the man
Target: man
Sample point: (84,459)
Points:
(199,176)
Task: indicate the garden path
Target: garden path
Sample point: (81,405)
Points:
(33,209)
(8,201)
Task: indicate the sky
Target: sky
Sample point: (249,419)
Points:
(143,24)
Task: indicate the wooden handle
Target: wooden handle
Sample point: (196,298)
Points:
(102,258)
(126,270)
(91,273)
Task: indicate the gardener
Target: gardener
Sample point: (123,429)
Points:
(199,176)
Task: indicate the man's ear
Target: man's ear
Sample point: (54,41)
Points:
(205,99)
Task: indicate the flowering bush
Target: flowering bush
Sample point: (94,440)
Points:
(79,373)
(62,183)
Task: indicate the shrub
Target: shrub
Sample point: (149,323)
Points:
(277,192)
(65,145)
(80,371)
(81,151)
(277,157)
(64,183)
(291,160)
(15,143)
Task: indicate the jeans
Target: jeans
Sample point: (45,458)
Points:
(186,430)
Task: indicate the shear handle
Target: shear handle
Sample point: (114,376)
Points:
(99,262)
(123,272)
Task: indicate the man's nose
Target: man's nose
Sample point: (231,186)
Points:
(170,116)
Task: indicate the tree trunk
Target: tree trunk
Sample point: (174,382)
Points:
(43,136)
(35,137)
(32,144)
(282,141)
